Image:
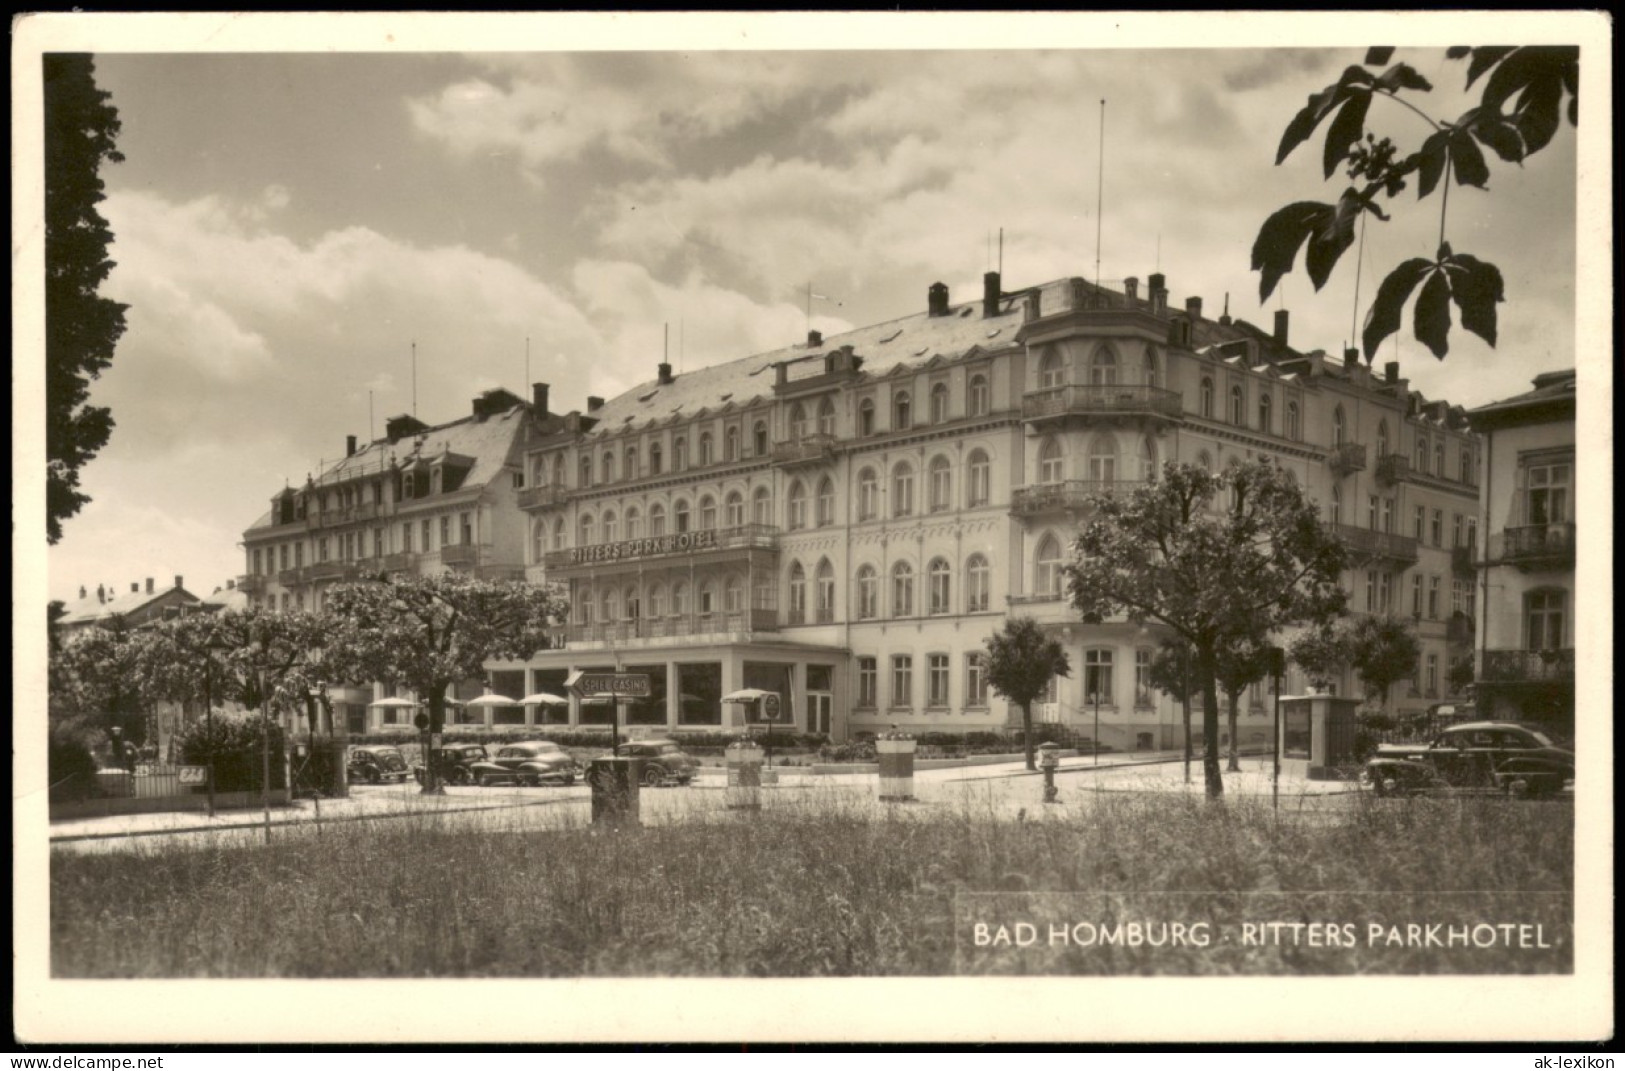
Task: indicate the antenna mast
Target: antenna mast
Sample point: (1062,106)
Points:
(1100,191)
(1001,252)
(414,377)
(527,362)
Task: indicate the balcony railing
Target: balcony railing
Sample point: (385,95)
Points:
(252,584)
(546,496)
(462,553)
(333,518)
(1533,667)
(1393,468)
(683,626)
(807,450)
(1101,399)
(1536,544)
(1067,495)
(333,571)
(1363,543)
(290,577)
(1347,458)
(1035,597)
(686,544)
(402,562)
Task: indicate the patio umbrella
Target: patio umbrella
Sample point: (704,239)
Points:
(393,701)
(490,699)
(745,695)
(544,699)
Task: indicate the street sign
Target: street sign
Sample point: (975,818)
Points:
(630,685)
(771,710)
(422,722)
(193,775)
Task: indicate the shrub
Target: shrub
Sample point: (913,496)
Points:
(70,766)
(237,745)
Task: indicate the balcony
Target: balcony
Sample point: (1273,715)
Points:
(1529,667)
(404,562)
(807,450)
(289,578)
(252,584)
(333,571)
(1366,545)
(686,545)
(1035,598)
(547,496)
(499,572)
(1067,496)
(1347,458)
(462,553)
(1101,400)
(674,630)
(1535,546)
(1392,469)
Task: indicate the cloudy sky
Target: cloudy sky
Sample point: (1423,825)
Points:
(288,225)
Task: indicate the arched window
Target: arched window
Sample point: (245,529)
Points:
(798,422)
(978,582)
(1438,458)
(584,605)
(1294,426)
(1103,368)
(679,599)
(902,590)
(798,594)
(826,502)
(1051,465)
(939,403)
(1151,367)
(1207,397)
(730,450)
(978,479)
(900,411)
(586,526)
(868,495)
(1336,515)
(1339,426)
(634,523)
(539,538)
(1047,580)
(611,532)
(759,439)
(733,595)
(1544,610)
(1467,473)
(705,449)
(1238,406)
(632,604)
(1266,421)
(761,506)
(734,510)
(657,520)
(1422,454)
(1148,459)
(1382,439)
(679,515)
(607,466)
(707,597)
(978,399)
(654,459)
(1205,460)
(797,512)
(868,593)
(558,534)
(902,490)
(631,468)
(938,587)
(611,606)
(1103,459)
(586,471)
(826,592)
(941,480)
(708,513)
(657,600)
(866,417)
(826,417)
(679,454)
(1051,370)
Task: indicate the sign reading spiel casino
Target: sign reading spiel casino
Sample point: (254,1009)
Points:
(644,548)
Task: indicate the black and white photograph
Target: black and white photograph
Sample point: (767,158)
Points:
(812,528)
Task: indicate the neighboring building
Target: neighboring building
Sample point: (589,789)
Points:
(138,606)
(1525,668)
(420,500)
(845,521)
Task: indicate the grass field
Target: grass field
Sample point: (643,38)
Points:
(821,889)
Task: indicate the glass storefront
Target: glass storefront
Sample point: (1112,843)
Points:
(699,688)
(551,682)
(650,711)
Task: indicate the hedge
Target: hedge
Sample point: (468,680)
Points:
(589,738)
(237,749)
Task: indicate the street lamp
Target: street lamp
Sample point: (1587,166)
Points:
(212,644)
(1094,698)
(1277,670)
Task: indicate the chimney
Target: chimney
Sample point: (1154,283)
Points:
(178,582)
(1224,317)
(1157,291)
(1280,326)
(990,294)
(936,299)
(231,584)
(349,446)
(816,338)
(1351,356)
(149,585)
(1390,372)
(538,398)
(594,403)
(663,377)
(81,591)
(1035,305)
(1131,288)
(101,593)
(1193,308)
(135,588)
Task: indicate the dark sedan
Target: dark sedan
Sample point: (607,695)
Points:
(375,764)
(535,762)
(664,762)
(453,764)
(1481,755)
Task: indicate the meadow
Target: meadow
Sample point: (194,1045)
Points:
(819,889)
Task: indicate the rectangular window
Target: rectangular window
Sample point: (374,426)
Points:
(1097,677)
(699,688)
(1371,513)
(976,680)
(1142,677)
(1433,597)
(256,565)
(1387,515)
(1548,495)
(1385,585)
(1455,530)
(1370,591)
(937,680)
(902,681)
(1416,595)
(866,683)
(377,542)
(1432,682)
(298,555)
(1438,527)
(424,534)
(406,538)
(445,531)
(1421,520)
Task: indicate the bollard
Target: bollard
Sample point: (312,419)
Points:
(744,776)
(614,790)
(896,754)
(1048,760)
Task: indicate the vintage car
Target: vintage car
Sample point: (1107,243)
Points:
(534,762)
(664,763)
(375,764)
(453,763)
(1477,755)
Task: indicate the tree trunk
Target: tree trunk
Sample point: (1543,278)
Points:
(1235,754)
(1027,734)
(1212,778)
(437,726)
(1186,704)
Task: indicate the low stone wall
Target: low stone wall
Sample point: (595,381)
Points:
(933,764)
(114,805)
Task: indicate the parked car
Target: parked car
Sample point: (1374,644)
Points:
(375,764)
(534,762)
(663,761)
(453,764)
(1483,755)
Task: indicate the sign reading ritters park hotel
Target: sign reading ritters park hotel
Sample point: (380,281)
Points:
(644,548)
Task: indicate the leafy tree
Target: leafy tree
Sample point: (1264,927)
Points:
(1322,653)
(1021,661)
(1159,554)
(81,327)
(1240,665)
(1383,650)
(431,632)
(1517,114)
(1460,676)
(1173,671)
(100,680)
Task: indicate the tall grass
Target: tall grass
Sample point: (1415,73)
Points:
(823,886)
